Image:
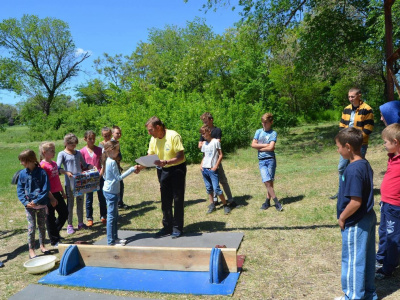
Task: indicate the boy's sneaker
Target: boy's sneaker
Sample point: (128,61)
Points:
(89,223)
(211,208)
(278,206)
(82,226)
(70,229)
(378,265)
(379,274)
(266,205)
(104,221)
(120,242)
(227,209)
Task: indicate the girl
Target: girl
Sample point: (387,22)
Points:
(106,134)
(92,154)
(111,189)
(56,195)
(209,168)
(33,189)
(72,161)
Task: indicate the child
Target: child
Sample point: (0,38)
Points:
(72,161)
(209,168)
(389,229)
(106,134)
(390,112)
(56,194)
(264,141)
(216,133)
(116,135)
(33,189)
(111,189)
(356,218)
(92,155)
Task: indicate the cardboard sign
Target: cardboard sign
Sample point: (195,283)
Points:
(86,182)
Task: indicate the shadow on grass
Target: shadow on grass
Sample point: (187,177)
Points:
(388,286)
(289,200)
(195,201)
(8,233)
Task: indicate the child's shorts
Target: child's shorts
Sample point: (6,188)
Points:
(267,169)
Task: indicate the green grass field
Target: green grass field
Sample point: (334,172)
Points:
(294,254)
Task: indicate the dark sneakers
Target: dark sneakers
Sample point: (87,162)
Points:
(211,208)
(176,233)
(227,209)
(379,274)
(163,232)
(334,197)
(278,206)
(266,204)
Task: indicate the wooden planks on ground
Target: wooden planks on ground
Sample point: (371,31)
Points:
(152,258)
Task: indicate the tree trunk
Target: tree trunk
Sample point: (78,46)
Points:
(389,48)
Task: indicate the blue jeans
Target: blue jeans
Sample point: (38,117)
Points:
(267,169)
(344,162)
(358,259)
(112,217)
(102,203)
(211,180)
(389,237)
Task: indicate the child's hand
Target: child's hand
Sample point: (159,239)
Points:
(214,169)
(54,202)
(341,223)
(31,205)
(69,174)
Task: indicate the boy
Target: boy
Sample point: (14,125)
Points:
(116,135)
(356,218)
(357,114)
(209,168)
(387,257)
(264,141)
(216,133)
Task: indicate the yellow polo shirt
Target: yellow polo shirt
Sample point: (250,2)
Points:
(167,147)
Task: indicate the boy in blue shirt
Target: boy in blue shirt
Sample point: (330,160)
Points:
(264,141)
(356,218)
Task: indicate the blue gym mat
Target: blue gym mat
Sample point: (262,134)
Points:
(178,282)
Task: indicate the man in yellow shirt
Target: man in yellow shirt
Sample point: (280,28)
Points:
(171,172)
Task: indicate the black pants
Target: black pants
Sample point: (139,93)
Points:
(54,225)
(121,194)
(172,184)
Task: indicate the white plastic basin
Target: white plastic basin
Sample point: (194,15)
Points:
(40,264)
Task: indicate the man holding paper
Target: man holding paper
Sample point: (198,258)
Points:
(171,172)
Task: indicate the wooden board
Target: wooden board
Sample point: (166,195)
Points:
(152,258)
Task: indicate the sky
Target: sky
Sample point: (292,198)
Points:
(113,27)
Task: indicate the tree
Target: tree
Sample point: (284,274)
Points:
(42,57)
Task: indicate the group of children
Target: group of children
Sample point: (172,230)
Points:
(41,192)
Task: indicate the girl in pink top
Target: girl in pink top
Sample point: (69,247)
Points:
(57,203)
(92,155)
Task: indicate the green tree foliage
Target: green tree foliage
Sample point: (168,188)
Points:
(8,114)
(41,57)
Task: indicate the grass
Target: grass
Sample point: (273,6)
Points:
(290,255)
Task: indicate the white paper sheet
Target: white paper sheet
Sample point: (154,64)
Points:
(148,160)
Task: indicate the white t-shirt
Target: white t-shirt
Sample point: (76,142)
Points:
(210,150)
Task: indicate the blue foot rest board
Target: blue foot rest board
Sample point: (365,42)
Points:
(178,282)
(214,282)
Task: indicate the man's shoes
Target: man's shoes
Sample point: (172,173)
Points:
(163,232)
(266,205)
(379,274)
(104,221)
(1,264)
(89,223)
(46,252)
(176,233)
(70,229)
(227,209)
(334,196)
(211,208)
(123,206)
